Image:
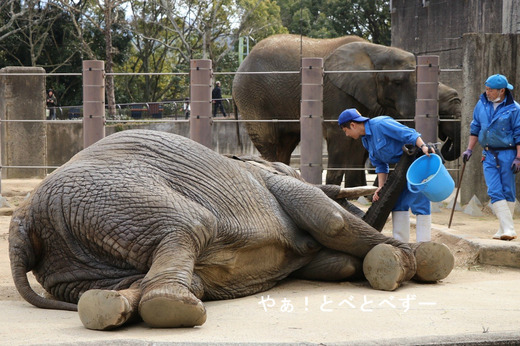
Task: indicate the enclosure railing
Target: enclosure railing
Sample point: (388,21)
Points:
(147,117)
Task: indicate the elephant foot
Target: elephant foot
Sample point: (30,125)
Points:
(434,261)
(165,310)
(386,267)
(105,309)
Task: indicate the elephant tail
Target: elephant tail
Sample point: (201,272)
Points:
(23,258)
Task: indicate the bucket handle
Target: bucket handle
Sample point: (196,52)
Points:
(413,188)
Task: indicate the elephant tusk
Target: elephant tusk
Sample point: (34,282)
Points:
(352,192)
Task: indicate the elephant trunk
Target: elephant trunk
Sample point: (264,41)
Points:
(451,148)
(22,257)
(450,110)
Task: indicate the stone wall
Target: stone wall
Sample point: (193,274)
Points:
(23,143)
(66,139)
(436,27)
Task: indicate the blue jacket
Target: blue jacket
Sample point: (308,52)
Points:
(498,128)
(384,139)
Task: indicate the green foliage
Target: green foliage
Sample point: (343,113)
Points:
(162,36)
(262,19)
(369,19)
(46,37)
(333,18)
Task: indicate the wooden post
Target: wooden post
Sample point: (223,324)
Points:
(200,101)
(93,101)
(427,104)
(311,120)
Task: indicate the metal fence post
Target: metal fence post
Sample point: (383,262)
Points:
(311,120)
(427,104)
(200,101)
(93,101)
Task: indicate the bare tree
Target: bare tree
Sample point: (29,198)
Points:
(10,11)
(109,9)
(167,34)
(38,28)
(80,13)
(211,27)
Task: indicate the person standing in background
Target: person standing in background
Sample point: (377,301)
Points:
(52,102)
(186,107)
(216,95)
(496,127)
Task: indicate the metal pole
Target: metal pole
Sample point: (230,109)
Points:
(311,120)
(456,194)
(201,73)
(93,101)
(427,104)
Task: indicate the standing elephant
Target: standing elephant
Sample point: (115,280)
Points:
(148,224)
(277,96)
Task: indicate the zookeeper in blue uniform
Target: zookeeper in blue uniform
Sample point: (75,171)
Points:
(496,126)
(384,139)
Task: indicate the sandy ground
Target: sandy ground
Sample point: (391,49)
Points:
(473,303)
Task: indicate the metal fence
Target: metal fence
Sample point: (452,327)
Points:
(175,110)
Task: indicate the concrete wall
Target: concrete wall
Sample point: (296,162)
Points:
(66,139)
(23,143)
(484,55)
(436,27)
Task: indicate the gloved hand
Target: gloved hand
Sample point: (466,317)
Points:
(516,165)
(466,155)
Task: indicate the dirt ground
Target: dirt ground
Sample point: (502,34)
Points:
(474,300)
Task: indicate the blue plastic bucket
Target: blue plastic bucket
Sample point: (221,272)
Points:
(428,175)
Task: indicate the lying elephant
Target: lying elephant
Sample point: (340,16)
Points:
(147,224)
(277,96)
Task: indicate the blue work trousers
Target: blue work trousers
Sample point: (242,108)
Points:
(417,202)
(499,176)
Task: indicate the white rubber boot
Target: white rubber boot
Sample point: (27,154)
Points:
(511,206)
(500,232)
(505,218)
(423,228)
(401,225)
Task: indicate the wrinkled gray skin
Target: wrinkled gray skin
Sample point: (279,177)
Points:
(147,224)
(277,96)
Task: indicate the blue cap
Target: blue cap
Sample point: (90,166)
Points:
(498,81)
(350,114)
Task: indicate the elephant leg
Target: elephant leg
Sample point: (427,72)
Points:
(434,261)
(167,298)
(334,176)
(108,309)
(331,265)
(262,136)
(386,267)
(357,158)
(275,142)
(337,144)
(337,229)
(355,178)
(287,144)
(346,153)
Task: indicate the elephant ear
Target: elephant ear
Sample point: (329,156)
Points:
(353,57)
(362,56)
